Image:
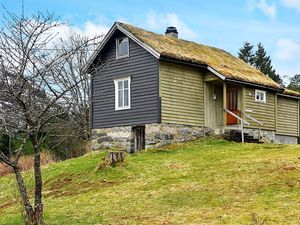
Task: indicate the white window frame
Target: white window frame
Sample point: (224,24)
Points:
(259,92)
(116,82)
(117,48)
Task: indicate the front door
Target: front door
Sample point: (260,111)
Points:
(232,105)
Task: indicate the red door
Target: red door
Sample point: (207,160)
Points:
(232,105)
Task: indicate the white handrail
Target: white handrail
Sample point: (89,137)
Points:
(256,121)
(252,118)
(236,116)
(242,122)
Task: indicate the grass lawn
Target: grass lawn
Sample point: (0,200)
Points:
(203,182)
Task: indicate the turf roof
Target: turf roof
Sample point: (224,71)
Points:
(290,92)
(223,62)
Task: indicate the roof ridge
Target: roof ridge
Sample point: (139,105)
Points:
(189,51)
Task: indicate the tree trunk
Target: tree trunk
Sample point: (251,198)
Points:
(29,213)
(38,204)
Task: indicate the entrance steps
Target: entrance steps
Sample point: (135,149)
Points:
(234,134)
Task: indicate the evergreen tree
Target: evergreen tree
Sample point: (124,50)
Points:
(246,53)
(263,63)
(295,83)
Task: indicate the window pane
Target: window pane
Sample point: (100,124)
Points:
(126,98)
(257,96)
(120,102)
(120,85)
(123,47)
(125,83)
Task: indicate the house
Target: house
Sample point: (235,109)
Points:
(150,89)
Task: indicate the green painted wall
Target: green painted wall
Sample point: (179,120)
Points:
(213,107)
(287,116)
(182,94)
(263,112)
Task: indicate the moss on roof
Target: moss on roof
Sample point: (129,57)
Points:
(290,92)
(222,61)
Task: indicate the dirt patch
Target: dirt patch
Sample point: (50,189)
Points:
(90,185)
(61,183)
(287,168)
(273,147)
(68,186)
(141,219)
(6,205)
(61,187)
(175,165)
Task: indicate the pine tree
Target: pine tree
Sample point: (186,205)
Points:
(295,83)
(263,63)
(246,53)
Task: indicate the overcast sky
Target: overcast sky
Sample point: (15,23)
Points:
(225,24)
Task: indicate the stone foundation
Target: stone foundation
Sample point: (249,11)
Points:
(110,138)
(266,136)
(283,139)
(156,135)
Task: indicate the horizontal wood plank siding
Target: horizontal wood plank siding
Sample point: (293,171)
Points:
(182,94)
(209,76)
(263,112)
(142,67)
(287,116)
(214,107)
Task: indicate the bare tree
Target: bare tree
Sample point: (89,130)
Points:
(32,93)
(78,98)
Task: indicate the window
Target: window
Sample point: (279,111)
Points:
(122,93)
(260,96)
(122,46)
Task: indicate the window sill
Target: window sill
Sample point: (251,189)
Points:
(123,108)
(263,102)
(122,57)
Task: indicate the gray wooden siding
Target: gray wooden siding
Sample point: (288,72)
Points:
(143,69)
(182,94)
(287,116)
(263,112)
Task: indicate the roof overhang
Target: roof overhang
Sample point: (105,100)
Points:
(212,70)
(216,73)
(288,96)
(107,37)
(254,85)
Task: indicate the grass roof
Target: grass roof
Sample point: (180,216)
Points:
(222,61)
(290,92)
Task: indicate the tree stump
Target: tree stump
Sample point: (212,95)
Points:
(115,157)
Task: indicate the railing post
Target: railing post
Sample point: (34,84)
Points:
(242,128)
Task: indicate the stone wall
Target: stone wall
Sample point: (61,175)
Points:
(283,139)
(156,135)
(110,138)
(266,136)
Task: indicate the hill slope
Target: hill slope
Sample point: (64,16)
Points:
(203,182)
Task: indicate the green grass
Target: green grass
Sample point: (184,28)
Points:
(204,182)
